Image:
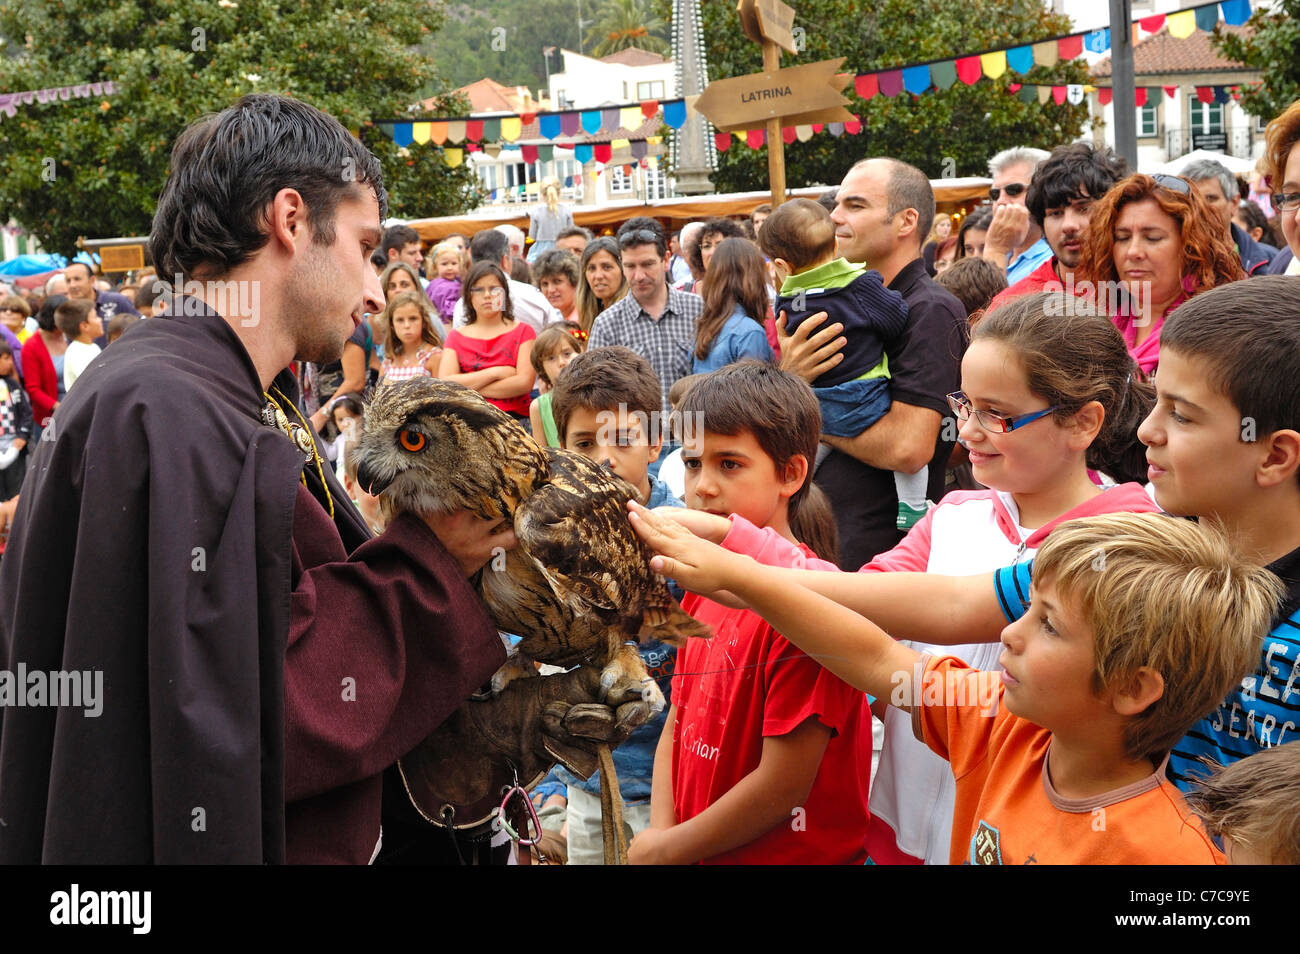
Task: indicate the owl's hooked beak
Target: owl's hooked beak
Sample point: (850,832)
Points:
(369,481)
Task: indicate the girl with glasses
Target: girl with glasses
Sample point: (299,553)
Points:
(1049,396)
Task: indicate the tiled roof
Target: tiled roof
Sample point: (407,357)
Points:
(487,96)
(1164,54)
(631,56)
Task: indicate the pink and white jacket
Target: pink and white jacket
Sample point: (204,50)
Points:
(969,532)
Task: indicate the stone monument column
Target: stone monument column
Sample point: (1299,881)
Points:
(693,153)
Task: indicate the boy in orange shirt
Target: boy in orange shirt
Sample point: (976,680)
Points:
(1059,759)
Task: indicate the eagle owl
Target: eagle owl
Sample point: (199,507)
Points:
(579,586)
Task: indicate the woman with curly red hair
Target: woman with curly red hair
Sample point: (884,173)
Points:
(1153,243)
(1282,169)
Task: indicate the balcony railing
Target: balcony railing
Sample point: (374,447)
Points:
(1234,142)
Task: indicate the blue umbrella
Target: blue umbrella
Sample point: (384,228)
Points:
(31,265)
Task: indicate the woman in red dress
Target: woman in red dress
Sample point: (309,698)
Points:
(492,352)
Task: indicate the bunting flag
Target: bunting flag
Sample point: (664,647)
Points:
(601,151)
(1021,59)
(583,153)
(1182,24)
(1098,41)
(993,64)
(545,152)
(1207,18)
(9,102)
(548,125)
(915,79)
(638,149)
(529,153)
(453,157)
(943,75)
(1235,12)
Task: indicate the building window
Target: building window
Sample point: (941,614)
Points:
(618,182)
(1207,118)
(1147,127)
(652,90)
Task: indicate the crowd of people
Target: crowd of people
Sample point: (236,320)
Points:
(839,419)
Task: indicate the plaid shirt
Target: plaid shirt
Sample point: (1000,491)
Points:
(666,342)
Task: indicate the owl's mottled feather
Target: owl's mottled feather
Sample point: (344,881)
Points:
(579,584)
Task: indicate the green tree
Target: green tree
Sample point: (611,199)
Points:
(623,24)
(944,132)
(1272,46)
(94,167)
(506,40)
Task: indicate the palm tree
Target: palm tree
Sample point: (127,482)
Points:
(621,24)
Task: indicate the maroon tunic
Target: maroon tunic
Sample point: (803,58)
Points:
(383,646)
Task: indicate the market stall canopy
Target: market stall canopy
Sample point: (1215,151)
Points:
(948,193)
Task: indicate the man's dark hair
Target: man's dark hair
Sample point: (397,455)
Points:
(573,230)
(5,348)
(718,225)
(909,188)
(1074,171)
(642,230)
(90,272)
(148,293)
(397,237)
(601,380)
(226,168)
(488,245)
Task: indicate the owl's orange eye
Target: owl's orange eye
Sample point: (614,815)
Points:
(411,440)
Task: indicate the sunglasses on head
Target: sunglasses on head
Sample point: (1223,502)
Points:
(1012,189)
(1172,183)
(638,237)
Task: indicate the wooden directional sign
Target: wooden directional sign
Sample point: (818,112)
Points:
(793,95)
(769,20)
(775,22)
(748,10)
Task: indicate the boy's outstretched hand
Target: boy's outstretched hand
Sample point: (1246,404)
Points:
(697,565)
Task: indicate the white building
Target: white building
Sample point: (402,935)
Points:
(633,170)
(1173,121)
(627,76)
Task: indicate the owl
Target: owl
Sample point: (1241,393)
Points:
(579,588)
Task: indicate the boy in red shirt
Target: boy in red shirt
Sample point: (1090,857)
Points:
(1060,758)
(766,756)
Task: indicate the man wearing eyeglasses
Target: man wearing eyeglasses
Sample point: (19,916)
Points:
(1014,241)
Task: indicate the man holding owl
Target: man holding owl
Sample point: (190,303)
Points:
(264,659)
